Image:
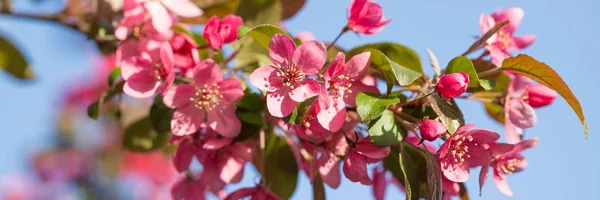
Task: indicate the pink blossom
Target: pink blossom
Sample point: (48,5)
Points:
(540,95)
(342,83)
(379,182)
(464,150)
(453,85)
(325,159)
(257,193)
(430,130)
(518,114)
(208,101)
(286,81)
(148,75)
(185,52)
(136,22)
(161,12)
(506,160)
(355,163)
(218,32)
(504,40)
(188,188)
(366,17)
(305,36)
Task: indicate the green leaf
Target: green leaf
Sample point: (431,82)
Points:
(485,65)
(542,73)
(318,189)
(13,62)
(94,109)
(281,170)
(220,8)
(263,33)
(464,64)
(242,31)
(391,70)
(256,12)
(384,131)
(370,106)
(409,171)
(400,54)
(449,113)
(140,137)
(495,111)
(481,40)
(434,176)
(297,117)
(160,116)
(114,74)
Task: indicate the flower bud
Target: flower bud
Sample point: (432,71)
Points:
(540,95)
(431,129)
(453,85)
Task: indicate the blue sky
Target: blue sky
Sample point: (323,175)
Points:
(563,165)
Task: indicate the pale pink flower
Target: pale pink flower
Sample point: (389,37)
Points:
(256,193)
(218,32)
(355,162)
(464,150)
(366,17)
(453,85)
(137,23)
(185,51)
(286,81)
(305,36)
(504,40)
(161,12)
(539,95)
(518,113)
(150,74)
(208,101)
(506,160)
(430,130)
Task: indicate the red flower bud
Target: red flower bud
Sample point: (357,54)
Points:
(540,95)
(431,129)
(453,85)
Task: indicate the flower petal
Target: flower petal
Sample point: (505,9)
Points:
(166,56)
(355,168)
(241,151)
(486,23)
(457,172)
(478,156)
(207,73)
(329,169)
(513,133)
(141,85)
(331,112)
(216,143)
(500,148)
(514,15)
(233,22)
(231,90)
(308,88)
(521,42)
(525,144)
(521,114)
(179,96)
(265,78)
(379,183)
(502,185)
(281,49)
(335,67)
(161,19)
(356,67)
(241,193)
(186,120)
(183,156)
(483,176)
(134,65)
(224,121)
(183,8)
(232,170)
(368,149)
(310,57)
(280,104)
(483,136)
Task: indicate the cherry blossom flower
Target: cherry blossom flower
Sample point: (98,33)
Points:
(286,81)
(500,43)
(148,75)
(188,188)
(366,17)
(518,113)
(430,130)
(453,85)
(355,163)
(464,150)
(162,11)
(136,22)
(325,159)
(185,52)
(506,160)
(342,83)
(258,193)
(208,101)
(218,32)
(540,95)
(305,36)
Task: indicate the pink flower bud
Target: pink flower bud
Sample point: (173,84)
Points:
(453,85)
(218,32)
(540,95)
(431,129)
(366,17)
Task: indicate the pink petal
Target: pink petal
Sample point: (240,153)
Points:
(179,96)
(336,67)
(231,90)
(232,170)
(188,189)
(514,15)
(540,95)
(521,42)
(458,172)
(356,7)
(216,143)
(281,49)
(355,168)
(183,156)
(525,144)
(224,121)
(122,32)
(483,136)
(486,23)
(211,33)
(166,56)
(502,185)
(207,73)
(331,112)
(280,104)
(241,193)
(134,65)
(512,132)
(379,183)
(127,49)
(357,65)
(521,114)
(500,148)
(478,156)
(370,16)
(186,120)
(141,85)
(308,88)
(161,19)
(518,85)
(183,8)
(310,57)
(241,151)
(368,149)
(265,78)
(358,87)
(483,176)
(498,55)
(234,22)
(329,170)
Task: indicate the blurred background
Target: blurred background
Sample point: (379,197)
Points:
(47,112)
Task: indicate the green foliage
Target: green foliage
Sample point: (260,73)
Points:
(261,34)
(464,64)
(94,109)
(160,116)
(297,117)
(13,62)
(447,111)
(391,70)
(370,106)
(384,131)
(114,74)
(281,170)
(140,137)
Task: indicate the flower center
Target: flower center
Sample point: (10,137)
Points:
(504,39)
(292,76)
(340,85)
(509,166)
(460,150)
(207,97)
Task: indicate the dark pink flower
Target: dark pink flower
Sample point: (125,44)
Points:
(464,150)
(506,160)
(255,193)
(540,95)
(355,163)
(149,74)
(185,52)
(453,85)
(218,32)
(206,102)
(517,113)
(503,41)
(188,188)
(286,81)
(430,130)
(366,17)
(325,159)
(342,83)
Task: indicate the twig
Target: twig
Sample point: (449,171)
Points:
(344,30)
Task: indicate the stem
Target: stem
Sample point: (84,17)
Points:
(414,100)
(344,30)
(489,72)
(230,58)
